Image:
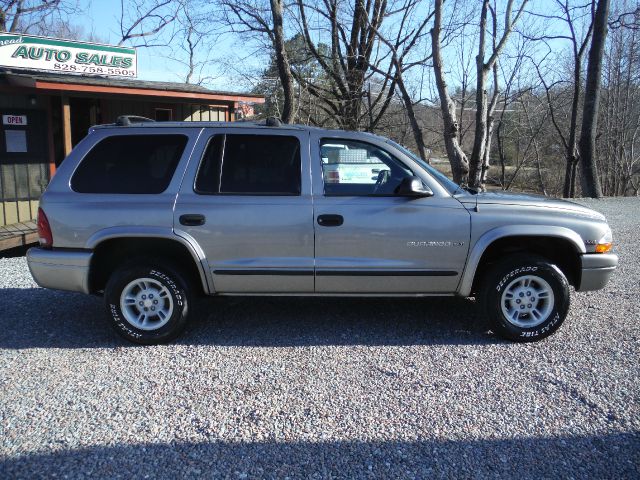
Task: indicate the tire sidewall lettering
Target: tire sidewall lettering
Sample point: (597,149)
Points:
(547,327)
(513,273)
(170,284)
(120,323)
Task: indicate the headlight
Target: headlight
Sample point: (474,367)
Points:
(605,243)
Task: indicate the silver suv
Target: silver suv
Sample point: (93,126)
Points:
(150,215)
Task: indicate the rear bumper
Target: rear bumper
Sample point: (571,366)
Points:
(60,269)
(596,270)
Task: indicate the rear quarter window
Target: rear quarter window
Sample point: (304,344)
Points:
(134,164)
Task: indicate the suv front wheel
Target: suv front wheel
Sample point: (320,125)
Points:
(525,297)
(147,302)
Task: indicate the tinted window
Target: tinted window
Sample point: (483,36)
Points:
(130,164)
(358,168)
(208,178)
(250,164)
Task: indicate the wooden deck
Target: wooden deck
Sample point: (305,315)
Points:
(18,235)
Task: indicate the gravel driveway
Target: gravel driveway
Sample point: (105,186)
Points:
(323,388)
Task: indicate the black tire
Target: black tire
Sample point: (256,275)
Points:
(176,293)
(506,280)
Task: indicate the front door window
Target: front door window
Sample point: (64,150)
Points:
(352,168)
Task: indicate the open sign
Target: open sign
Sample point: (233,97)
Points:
(14,119)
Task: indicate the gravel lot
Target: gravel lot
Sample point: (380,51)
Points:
(322,388)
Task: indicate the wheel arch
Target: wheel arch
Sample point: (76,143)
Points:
(559,244)
(112,246)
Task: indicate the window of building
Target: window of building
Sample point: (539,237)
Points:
(250,165)
(130,164)
(357,168)
(164,114)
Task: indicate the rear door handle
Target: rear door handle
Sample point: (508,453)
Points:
(330,220)
(192,219)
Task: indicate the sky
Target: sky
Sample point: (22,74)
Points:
(101,18)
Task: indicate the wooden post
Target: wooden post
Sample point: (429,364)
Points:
(66,125)
(50,143)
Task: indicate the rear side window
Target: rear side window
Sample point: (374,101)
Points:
(250,165)
(130,164)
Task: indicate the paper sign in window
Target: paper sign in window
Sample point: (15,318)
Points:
(16,141)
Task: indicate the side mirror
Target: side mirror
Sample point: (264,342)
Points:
(413,187)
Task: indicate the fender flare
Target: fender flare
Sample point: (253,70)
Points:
(481,245)
(163,233)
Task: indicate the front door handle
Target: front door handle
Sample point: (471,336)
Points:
(192,219)
(330,220)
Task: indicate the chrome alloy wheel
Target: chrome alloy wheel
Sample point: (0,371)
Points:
(146,304)
(527,301)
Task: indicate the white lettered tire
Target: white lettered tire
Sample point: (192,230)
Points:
(148,301)
(525,297)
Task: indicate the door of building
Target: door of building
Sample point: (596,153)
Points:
(24,163)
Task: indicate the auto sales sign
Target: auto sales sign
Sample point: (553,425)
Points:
(66,56)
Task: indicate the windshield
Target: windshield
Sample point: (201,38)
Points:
(448,184)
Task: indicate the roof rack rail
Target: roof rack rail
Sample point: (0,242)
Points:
(126,120)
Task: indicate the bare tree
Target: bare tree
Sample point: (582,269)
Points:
(590,180)
(464,46)
(619,123)
(513,96)
(142,21)
(24,15)
(479,163)
(282,60)
(190,47)
(351,37)
(266,22)
(457,158)
(571,16)
(405,37)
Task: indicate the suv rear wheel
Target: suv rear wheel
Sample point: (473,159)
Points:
(147,301)
(525,297)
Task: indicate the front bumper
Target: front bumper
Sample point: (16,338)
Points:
(60,269)
(596,270)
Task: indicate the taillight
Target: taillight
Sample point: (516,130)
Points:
(44,230)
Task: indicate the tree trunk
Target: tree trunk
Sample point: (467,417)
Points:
(572,154)
(484,171)
(15,24)
(480,138)
(411,114)
(503,173)
(590,180)
(490,121)
(282,61)
(479,156)
(481,128)
(457,158)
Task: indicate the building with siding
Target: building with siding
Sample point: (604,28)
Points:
(45,114)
